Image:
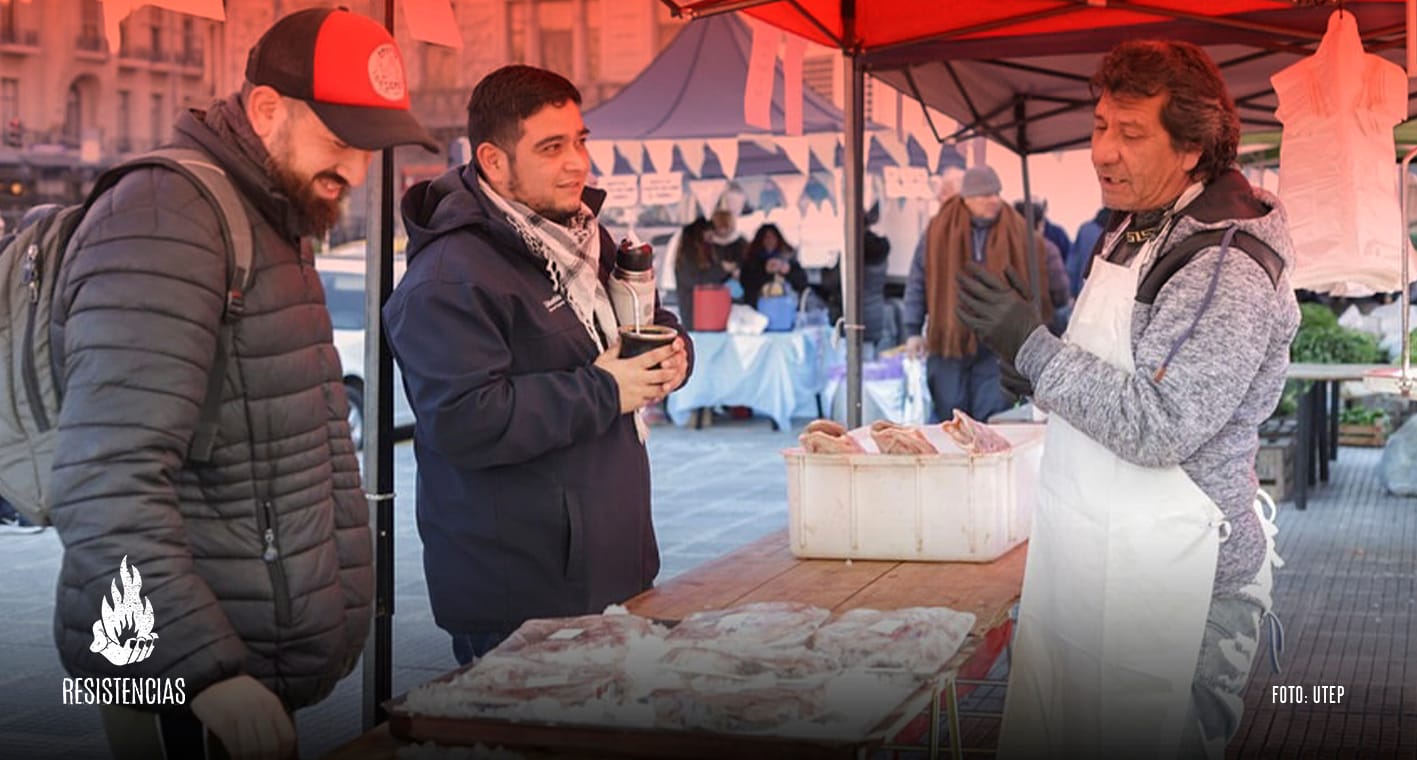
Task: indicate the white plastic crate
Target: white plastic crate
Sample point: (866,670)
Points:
(947,506)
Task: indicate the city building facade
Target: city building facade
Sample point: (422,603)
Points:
(71,106)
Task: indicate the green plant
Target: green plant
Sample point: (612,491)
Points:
(1332,344)
(1360,415)
(1316,315)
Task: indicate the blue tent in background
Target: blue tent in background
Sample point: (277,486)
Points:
(694,91)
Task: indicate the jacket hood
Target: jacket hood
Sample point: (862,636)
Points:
(1232,200)
(249,176)
(454,201)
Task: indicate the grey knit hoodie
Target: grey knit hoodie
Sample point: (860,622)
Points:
(1229,349)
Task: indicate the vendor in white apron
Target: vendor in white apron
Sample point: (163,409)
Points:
(1129,643)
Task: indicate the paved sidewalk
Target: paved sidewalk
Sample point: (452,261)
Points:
(714,490)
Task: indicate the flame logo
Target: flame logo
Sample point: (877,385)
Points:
(129,615)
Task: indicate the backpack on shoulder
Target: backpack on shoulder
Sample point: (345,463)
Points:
(31,387)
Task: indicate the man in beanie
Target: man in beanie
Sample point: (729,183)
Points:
(973,226)
(247,576)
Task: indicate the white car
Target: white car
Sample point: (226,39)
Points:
(342,274)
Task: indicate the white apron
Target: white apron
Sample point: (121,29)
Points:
(1118,583)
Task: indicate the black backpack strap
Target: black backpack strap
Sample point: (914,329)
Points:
(216,187)
(1185,251)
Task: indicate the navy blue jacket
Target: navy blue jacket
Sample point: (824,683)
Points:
(533,488)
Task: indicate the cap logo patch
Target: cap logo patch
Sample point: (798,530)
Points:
(386,72)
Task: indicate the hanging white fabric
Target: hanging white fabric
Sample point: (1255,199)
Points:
(1337,164)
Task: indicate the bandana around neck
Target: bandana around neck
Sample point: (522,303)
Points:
(572,257)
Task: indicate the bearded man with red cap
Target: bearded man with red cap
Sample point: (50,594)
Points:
(247,571)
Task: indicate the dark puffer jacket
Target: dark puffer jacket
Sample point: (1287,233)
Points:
(137,315)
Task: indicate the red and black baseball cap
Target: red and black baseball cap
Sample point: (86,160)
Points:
(348,68)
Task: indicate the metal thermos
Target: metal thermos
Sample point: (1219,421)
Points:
(631,284)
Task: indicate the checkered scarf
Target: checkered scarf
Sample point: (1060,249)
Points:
(572,255)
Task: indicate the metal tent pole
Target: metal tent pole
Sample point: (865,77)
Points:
(852,260)
(378,474)
(1031,239)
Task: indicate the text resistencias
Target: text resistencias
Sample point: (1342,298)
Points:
(132,692)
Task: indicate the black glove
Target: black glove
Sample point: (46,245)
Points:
(1016,386)
(999,313)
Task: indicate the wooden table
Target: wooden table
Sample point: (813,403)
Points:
(766,571)
(1318,421)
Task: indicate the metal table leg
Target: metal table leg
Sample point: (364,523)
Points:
(1304,441)
(1324,445)
(1335,403)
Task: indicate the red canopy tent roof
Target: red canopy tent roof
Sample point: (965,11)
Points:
(883,24)
(1017,70)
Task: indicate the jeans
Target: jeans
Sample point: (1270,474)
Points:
(969,383)
(469,646)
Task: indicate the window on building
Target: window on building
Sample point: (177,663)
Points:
(517,22)
(90,25)
(189,39)
(8,28)
(555,20)
(556,51)
(592,53)
(155,36)
(125,120)
(9,100)
(73,115)
(440,68)
(158,119)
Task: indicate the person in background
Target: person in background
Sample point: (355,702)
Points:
(876,255)
(533,479)
(1084,245)
(1058,285)
(694,265)
(730,250)
(973,227)
(258,562)
(1052,231)
(770,257)
(1150,563)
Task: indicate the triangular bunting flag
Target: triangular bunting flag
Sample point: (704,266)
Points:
(661,154)
(791,187)
(753,188)
(727,151)
(692,151)
(893,147)
(823,148)
(707,192)
(798,151)
(432,21)
(633,153)
(602,153)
